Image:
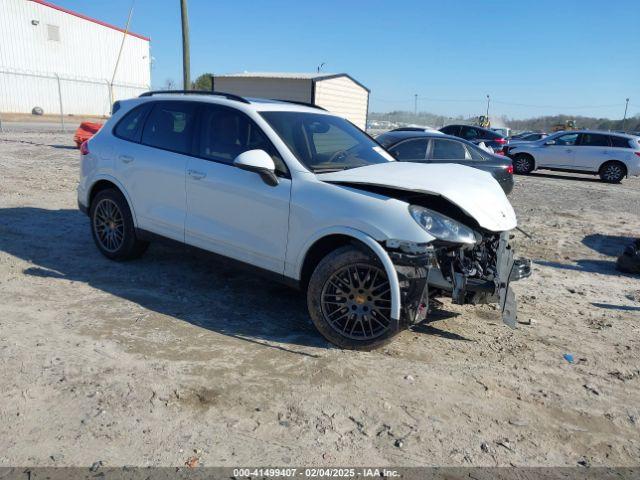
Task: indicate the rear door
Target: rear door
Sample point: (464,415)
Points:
(592,150)
(153,170)
(231,211)
(558,154)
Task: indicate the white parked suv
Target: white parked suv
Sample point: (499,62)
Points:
(613,156)
(306,196)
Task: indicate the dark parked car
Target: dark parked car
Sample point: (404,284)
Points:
(430,147)
(476,135)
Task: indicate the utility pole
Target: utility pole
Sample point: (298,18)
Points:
(186,63)
(488,100)
(115,68)
(415,105)
(624,120)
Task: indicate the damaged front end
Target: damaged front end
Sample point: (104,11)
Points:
(469,273)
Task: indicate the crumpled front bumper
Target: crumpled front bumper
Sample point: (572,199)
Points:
(419,274)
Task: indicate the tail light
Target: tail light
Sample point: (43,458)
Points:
(84,148)
(510,169)
(500,141)
(637,153)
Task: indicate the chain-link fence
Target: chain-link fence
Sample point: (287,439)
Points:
(25,92)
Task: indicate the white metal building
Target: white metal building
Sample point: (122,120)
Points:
(339,93)
(52,57)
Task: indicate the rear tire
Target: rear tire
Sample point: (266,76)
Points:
(613,172)
(349,300)
(523,164)
(112,227)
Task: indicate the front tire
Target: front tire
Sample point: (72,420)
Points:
(349,300)
(523,164)
(112,227)
(613,172)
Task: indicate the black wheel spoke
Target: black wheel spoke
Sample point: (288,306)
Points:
(355,301)
(108,225)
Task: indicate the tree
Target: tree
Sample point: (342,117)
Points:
(203,82)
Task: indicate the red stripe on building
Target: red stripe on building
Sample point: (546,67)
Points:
(84,17)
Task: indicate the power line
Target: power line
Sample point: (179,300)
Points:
(514,104)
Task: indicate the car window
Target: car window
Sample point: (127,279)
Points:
(170,126)
(325,142)
(225,133)
(470,133)
(620,142)
(333,140)
(450,130)
(594,140)
(568,139)
(448,150)
(128,127)
(474,153)
(410,150)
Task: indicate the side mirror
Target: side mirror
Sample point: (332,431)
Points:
(550,142)
(258,161)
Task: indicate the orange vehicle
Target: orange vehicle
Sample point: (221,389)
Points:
(85,131)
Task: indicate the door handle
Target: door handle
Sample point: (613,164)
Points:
(126,158)
(196,175)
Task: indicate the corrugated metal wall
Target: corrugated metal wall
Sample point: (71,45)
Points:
(344,97)
(296,89)
(41,44)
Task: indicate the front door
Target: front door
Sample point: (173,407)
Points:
(559,152)
(231,211)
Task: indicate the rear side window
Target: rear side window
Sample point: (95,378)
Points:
(474,153)
(451,130)
(410,150)
(470,133)
(130,125)
(620,142)
(170,126)
(448,150)
(594,140)
(225,133)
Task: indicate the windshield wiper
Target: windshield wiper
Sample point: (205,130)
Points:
(329,169)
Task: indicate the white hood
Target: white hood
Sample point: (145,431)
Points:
(474,191)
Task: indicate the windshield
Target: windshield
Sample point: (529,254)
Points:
(324,143)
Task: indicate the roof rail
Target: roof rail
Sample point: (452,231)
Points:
(306,104)
(229,96)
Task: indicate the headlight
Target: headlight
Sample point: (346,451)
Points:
(442,227)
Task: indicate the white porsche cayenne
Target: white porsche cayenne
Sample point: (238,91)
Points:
(306,196)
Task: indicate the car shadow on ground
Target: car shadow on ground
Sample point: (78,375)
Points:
(611,245)
(176,281)
(610,306)
(603,267)
(565,177)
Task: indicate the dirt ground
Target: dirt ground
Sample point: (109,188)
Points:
(176,356)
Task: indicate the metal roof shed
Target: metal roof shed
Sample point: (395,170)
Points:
(339,93)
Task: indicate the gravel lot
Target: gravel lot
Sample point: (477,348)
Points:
(177,357)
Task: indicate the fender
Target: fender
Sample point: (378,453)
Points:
(370,242)
(109,178)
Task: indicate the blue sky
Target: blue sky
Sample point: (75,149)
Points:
(532,57)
